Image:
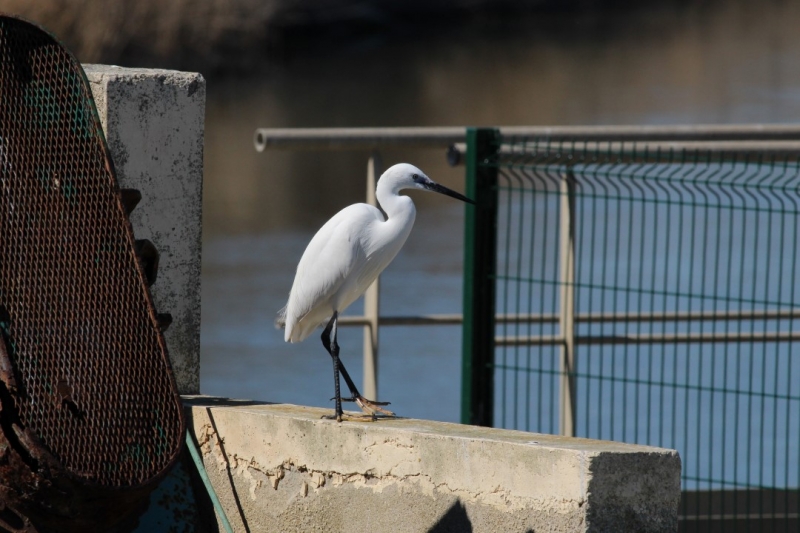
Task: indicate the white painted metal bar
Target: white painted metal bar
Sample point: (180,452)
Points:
(372,295)
(434,137)
(581,318)
(421,320)
(566,318)
(355,138)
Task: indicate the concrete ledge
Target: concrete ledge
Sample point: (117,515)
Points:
(281,468)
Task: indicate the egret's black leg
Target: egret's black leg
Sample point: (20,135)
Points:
(355,395)
(329,340)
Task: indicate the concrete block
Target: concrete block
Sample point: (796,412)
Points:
(153,122)
(280,467)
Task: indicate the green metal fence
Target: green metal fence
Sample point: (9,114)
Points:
(643,289)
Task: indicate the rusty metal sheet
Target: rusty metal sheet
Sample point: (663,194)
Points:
(84,374)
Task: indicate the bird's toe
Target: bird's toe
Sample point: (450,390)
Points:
(334,416)
(373,408)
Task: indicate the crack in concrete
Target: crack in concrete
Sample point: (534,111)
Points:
(318,479)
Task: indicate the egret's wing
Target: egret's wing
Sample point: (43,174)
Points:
(333,255)
(370,269)
(321,275)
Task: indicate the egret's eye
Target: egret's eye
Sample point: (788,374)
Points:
(416,177)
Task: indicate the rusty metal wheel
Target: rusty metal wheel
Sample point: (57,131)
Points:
(90,417)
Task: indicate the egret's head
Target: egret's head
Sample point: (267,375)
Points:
(405,176)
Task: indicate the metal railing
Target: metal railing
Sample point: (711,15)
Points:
(717,140)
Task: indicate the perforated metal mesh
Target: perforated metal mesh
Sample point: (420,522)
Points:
(94,380)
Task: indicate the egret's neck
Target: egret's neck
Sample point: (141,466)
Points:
(393,203)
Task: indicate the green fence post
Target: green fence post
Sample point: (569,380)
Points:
(480,263)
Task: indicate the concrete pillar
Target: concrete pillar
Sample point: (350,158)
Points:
(153,122)
(281,468)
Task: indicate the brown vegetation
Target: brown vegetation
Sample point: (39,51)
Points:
(231,34)
(169,33)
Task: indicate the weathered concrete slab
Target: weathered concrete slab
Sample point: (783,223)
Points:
(153,122)
(281,468)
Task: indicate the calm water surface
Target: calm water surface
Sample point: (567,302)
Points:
(722,64)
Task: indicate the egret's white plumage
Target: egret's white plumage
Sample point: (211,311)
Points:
(347,254)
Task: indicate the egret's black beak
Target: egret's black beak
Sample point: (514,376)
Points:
(435,187)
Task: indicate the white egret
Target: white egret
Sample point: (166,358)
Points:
(343,259)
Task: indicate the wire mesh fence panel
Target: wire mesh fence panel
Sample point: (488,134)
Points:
(685,312)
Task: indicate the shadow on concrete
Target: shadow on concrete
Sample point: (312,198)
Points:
(455,520)
(218,401)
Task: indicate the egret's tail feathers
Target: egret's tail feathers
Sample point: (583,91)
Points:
(280,321)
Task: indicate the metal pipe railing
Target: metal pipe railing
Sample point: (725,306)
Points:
(580,318)
(566,315)
(372,294)
(355,138)
(443,137)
